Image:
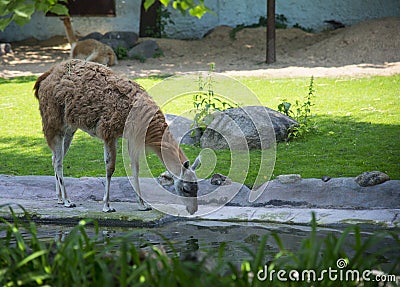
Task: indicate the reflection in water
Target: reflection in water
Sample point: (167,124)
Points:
(193,240)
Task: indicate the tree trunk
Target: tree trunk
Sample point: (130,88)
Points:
(68,29)
(271,58)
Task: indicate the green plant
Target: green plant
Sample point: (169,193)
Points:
(159,53)
(301,112)
(121,52)
(138,57)
(298,26)
(206,102)
(280,23)
(80,259)
(163,19)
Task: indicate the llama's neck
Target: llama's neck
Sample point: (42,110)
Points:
(170,154)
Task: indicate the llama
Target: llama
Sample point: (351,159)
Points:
(94,51)
(76,94)
(90,49)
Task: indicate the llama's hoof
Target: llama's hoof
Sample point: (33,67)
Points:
(108,209)
(69,204)
(143,206)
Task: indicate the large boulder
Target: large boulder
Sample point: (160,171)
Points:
(146,49)
(115,39)
(371,178)
(182,129)
(130,38)
(251,127)
(94,35)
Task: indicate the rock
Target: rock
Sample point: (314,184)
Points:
(182,129)
(166,179)
(115,43)
(326,178)
(5,48)
(95,35)
(130,38)
(220,179)
(251,127)
(288,178)
(371,178)
(146,49)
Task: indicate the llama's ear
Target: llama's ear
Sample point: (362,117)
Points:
(197,162)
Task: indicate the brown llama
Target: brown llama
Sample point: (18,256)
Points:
(76,94)
(94,51)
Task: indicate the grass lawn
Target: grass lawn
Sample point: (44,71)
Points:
(357,129)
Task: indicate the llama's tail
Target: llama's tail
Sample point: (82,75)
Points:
(38,81)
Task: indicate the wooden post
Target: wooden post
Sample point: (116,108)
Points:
(271,58)
(68,29)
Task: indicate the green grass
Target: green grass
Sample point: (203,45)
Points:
(357,129)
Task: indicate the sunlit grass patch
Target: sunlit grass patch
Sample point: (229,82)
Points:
(356,128)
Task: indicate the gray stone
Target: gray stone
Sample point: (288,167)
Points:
(165,179)
(326,178)
(251,127)
(95,35)
(371,178)
(130,38)
(146,49)
(182,129)
(288,178)
(5,48)
(337,193)
(220,179)
(115,43)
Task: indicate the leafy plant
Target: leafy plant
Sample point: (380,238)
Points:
(121,52)
(301,112)
(280,23)
(206,102)
(80,259)
(138,57)
(20,12)
(163,19)
(308,30)
(195,8)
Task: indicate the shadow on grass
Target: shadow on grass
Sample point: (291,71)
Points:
(342,146)
(18,80)
(339,147)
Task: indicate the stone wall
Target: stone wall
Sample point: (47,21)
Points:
(307,13)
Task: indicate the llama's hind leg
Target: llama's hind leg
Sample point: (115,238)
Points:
(110,155)
(58,157)
(69,135)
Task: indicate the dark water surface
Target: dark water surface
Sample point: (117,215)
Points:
(239,239)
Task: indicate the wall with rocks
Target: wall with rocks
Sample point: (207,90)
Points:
(308,13)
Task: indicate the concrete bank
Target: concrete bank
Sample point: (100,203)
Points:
(338,202)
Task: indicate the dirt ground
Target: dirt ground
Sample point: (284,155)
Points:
(368,48)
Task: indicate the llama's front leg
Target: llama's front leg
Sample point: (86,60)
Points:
(110,155)
(58,157)
(143,206)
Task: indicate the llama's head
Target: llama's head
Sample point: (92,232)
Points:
(186,185)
